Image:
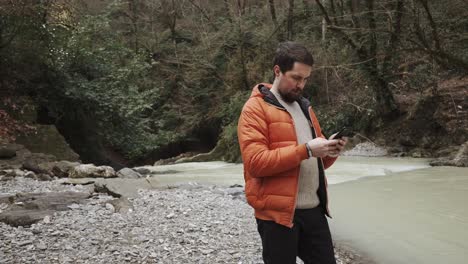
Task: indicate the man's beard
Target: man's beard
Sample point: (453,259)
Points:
(290,96)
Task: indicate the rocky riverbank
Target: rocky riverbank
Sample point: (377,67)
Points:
(179,224)
(66,212)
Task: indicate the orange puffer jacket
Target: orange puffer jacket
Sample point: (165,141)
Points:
(272,156)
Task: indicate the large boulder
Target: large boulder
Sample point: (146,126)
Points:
(121,187)
(25,209)
(92,171)
(62,169)
(128,173)
(7,152)
(34,167)
(47,139)
(15,162)
(121,205)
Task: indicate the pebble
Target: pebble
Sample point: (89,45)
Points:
(46,219)
(41,246)
(178,225)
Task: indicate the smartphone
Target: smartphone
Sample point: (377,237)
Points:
(340,133)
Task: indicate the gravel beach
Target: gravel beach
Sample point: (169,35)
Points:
(183,224)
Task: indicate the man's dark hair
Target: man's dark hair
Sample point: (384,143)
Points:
(290,52)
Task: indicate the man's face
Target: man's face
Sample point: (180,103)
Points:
(292,82)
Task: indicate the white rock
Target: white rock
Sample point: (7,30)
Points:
(110,207)
(170,216)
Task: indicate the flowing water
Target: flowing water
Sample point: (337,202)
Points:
(395,210)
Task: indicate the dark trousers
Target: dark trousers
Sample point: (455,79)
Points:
(309,238)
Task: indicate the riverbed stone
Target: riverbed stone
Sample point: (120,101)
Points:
(128,173)
(7,152)
(92,171)
(63,168)
(28,208)
(207,226)
(119,187)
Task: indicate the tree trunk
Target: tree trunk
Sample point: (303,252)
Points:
(324,30)
(435,34)
(385,101)
(333,10)
(394,38)
(241,6)
(273,12)
(291,20)
(386,106)
(132,6)
(227,10)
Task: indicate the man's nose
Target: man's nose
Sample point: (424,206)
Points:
(300,84)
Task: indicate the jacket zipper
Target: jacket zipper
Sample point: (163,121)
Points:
(297,178)
(321,161)
(323,166)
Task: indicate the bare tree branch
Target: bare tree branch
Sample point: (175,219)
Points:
(203,12)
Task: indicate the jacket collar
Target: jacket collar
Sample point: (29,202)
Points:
(263,90)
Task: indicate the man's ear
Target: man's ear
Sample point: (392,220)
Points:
(276,70)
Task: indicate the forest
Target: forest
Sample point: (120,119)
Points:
(132,82)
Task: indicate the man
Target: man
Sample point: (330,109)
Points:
(285,155)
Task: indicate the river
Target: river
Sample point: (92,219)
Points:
(394,210)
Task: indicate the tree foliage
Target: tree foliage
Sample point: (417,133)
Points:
(157,73)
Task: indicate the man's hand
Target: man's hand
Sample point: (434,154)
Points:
(339,147)
(322,147)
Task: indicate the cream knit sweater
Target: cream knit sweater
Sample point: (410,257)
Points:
(308,176)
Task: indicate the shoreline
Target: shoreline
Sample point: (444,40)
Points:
(182,224)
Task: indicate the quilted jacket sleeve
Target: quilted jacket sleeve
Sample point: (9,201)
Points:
(259,160)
